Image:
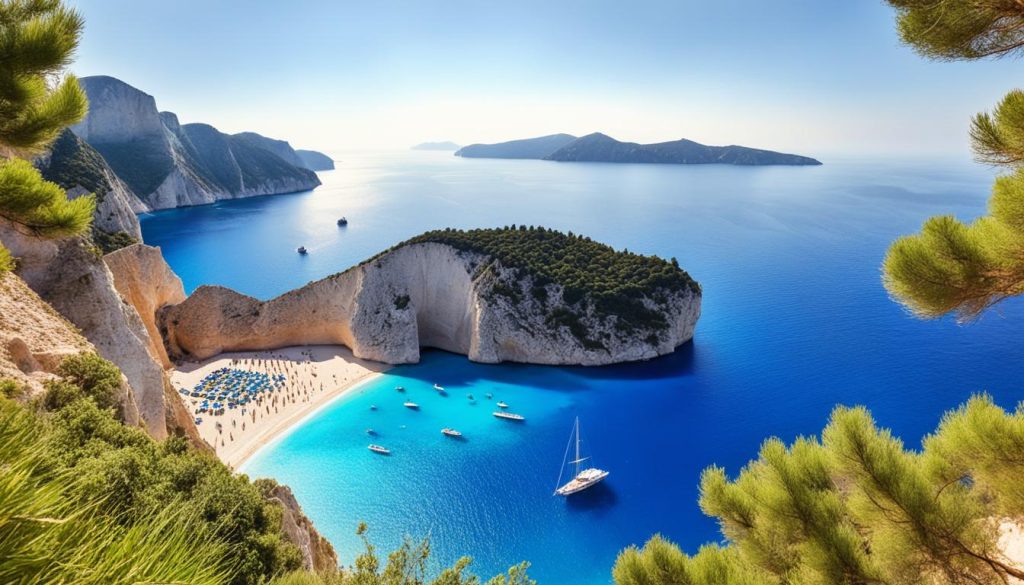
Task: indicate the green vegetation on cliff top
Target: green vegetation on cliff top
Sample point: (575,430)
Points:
(614,283)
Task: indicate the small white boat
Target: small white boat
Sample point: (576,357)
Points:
(502,405)
(509,415)
(400,388)
(451,432)
(582,478)
(411,405)
(439,387)
(373,407)
(379,449)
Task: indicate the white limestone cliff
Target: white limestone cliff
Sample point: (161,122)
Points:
(420,295)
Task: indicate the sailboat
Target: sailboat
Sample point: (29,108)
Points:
(583,478)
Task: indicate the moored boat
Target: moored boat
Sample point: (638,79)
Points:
(582,478)
(400,388)
(411,405)
(379,449)
(439,387)
(509,415)
(451,432)
(371,432)
(502,405)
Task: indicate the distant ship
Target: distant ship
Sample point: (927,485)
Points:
(342,221)
(302,250)
(509,416)
(582,478)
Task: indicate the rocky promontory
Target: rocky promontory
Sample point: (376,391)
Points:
(168,164)
(526,295)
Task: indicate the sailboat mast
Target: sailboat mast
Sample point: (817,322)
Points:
(577,446)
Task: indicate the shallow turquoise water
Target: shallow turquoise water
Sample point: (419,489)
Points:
(795,320)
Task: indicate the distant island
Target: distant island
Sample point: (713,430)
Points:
(599,147)
(446,145)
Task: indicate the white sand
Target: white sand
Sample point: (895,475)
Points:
(315,376)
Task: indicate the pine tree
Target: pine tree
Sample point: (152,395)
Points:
(951,266)
(38,39)
(857,507)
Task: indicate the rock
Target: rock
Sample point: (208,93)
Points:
(317,553)
(169,164)
(144,279)
(80,169)
(418,295)
(35,339)
(71,277)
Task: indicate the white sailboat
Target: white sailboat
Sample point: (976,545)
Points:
(582,478)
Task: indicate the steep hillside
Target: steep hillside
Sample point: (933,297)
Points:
(315,161)
(80,169)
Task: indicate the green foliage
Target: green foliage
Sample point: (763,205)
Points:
(125,475)
(6,260)
(96,377)
(961,29)
(405,566)
(108,242)
(613,283)
(402,301)
(40,206)
(73,163)
(11,389)
(951,266)
(38,39)
(857,507)
(49,537)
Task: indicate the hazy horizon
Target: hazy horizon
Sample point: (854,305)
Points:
(798,76)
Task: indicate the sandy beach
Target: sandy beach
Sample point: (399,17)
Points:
(314,376)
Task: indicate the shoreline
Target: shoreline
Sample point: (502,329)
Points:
(285,428)
(315,376)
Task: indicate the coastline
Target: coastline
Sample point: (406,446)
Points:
(316,377)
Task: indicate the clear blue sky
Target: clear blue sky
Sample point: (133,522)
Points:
(810,76)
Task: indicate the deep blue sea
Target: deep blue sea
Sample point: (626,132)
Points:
(795,321)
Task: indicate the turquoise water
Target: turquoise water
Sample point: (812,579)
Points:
(795,321)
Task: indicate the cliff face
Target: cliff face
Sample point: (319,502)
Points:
(35,339)
(168,164)
(69,276)
(80,169)
(317,553)
(424,294)
(145,281)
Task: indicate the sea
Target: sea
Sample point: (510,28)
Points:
(795,321)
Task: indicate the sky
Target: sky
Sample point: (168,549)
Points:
(807,76)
